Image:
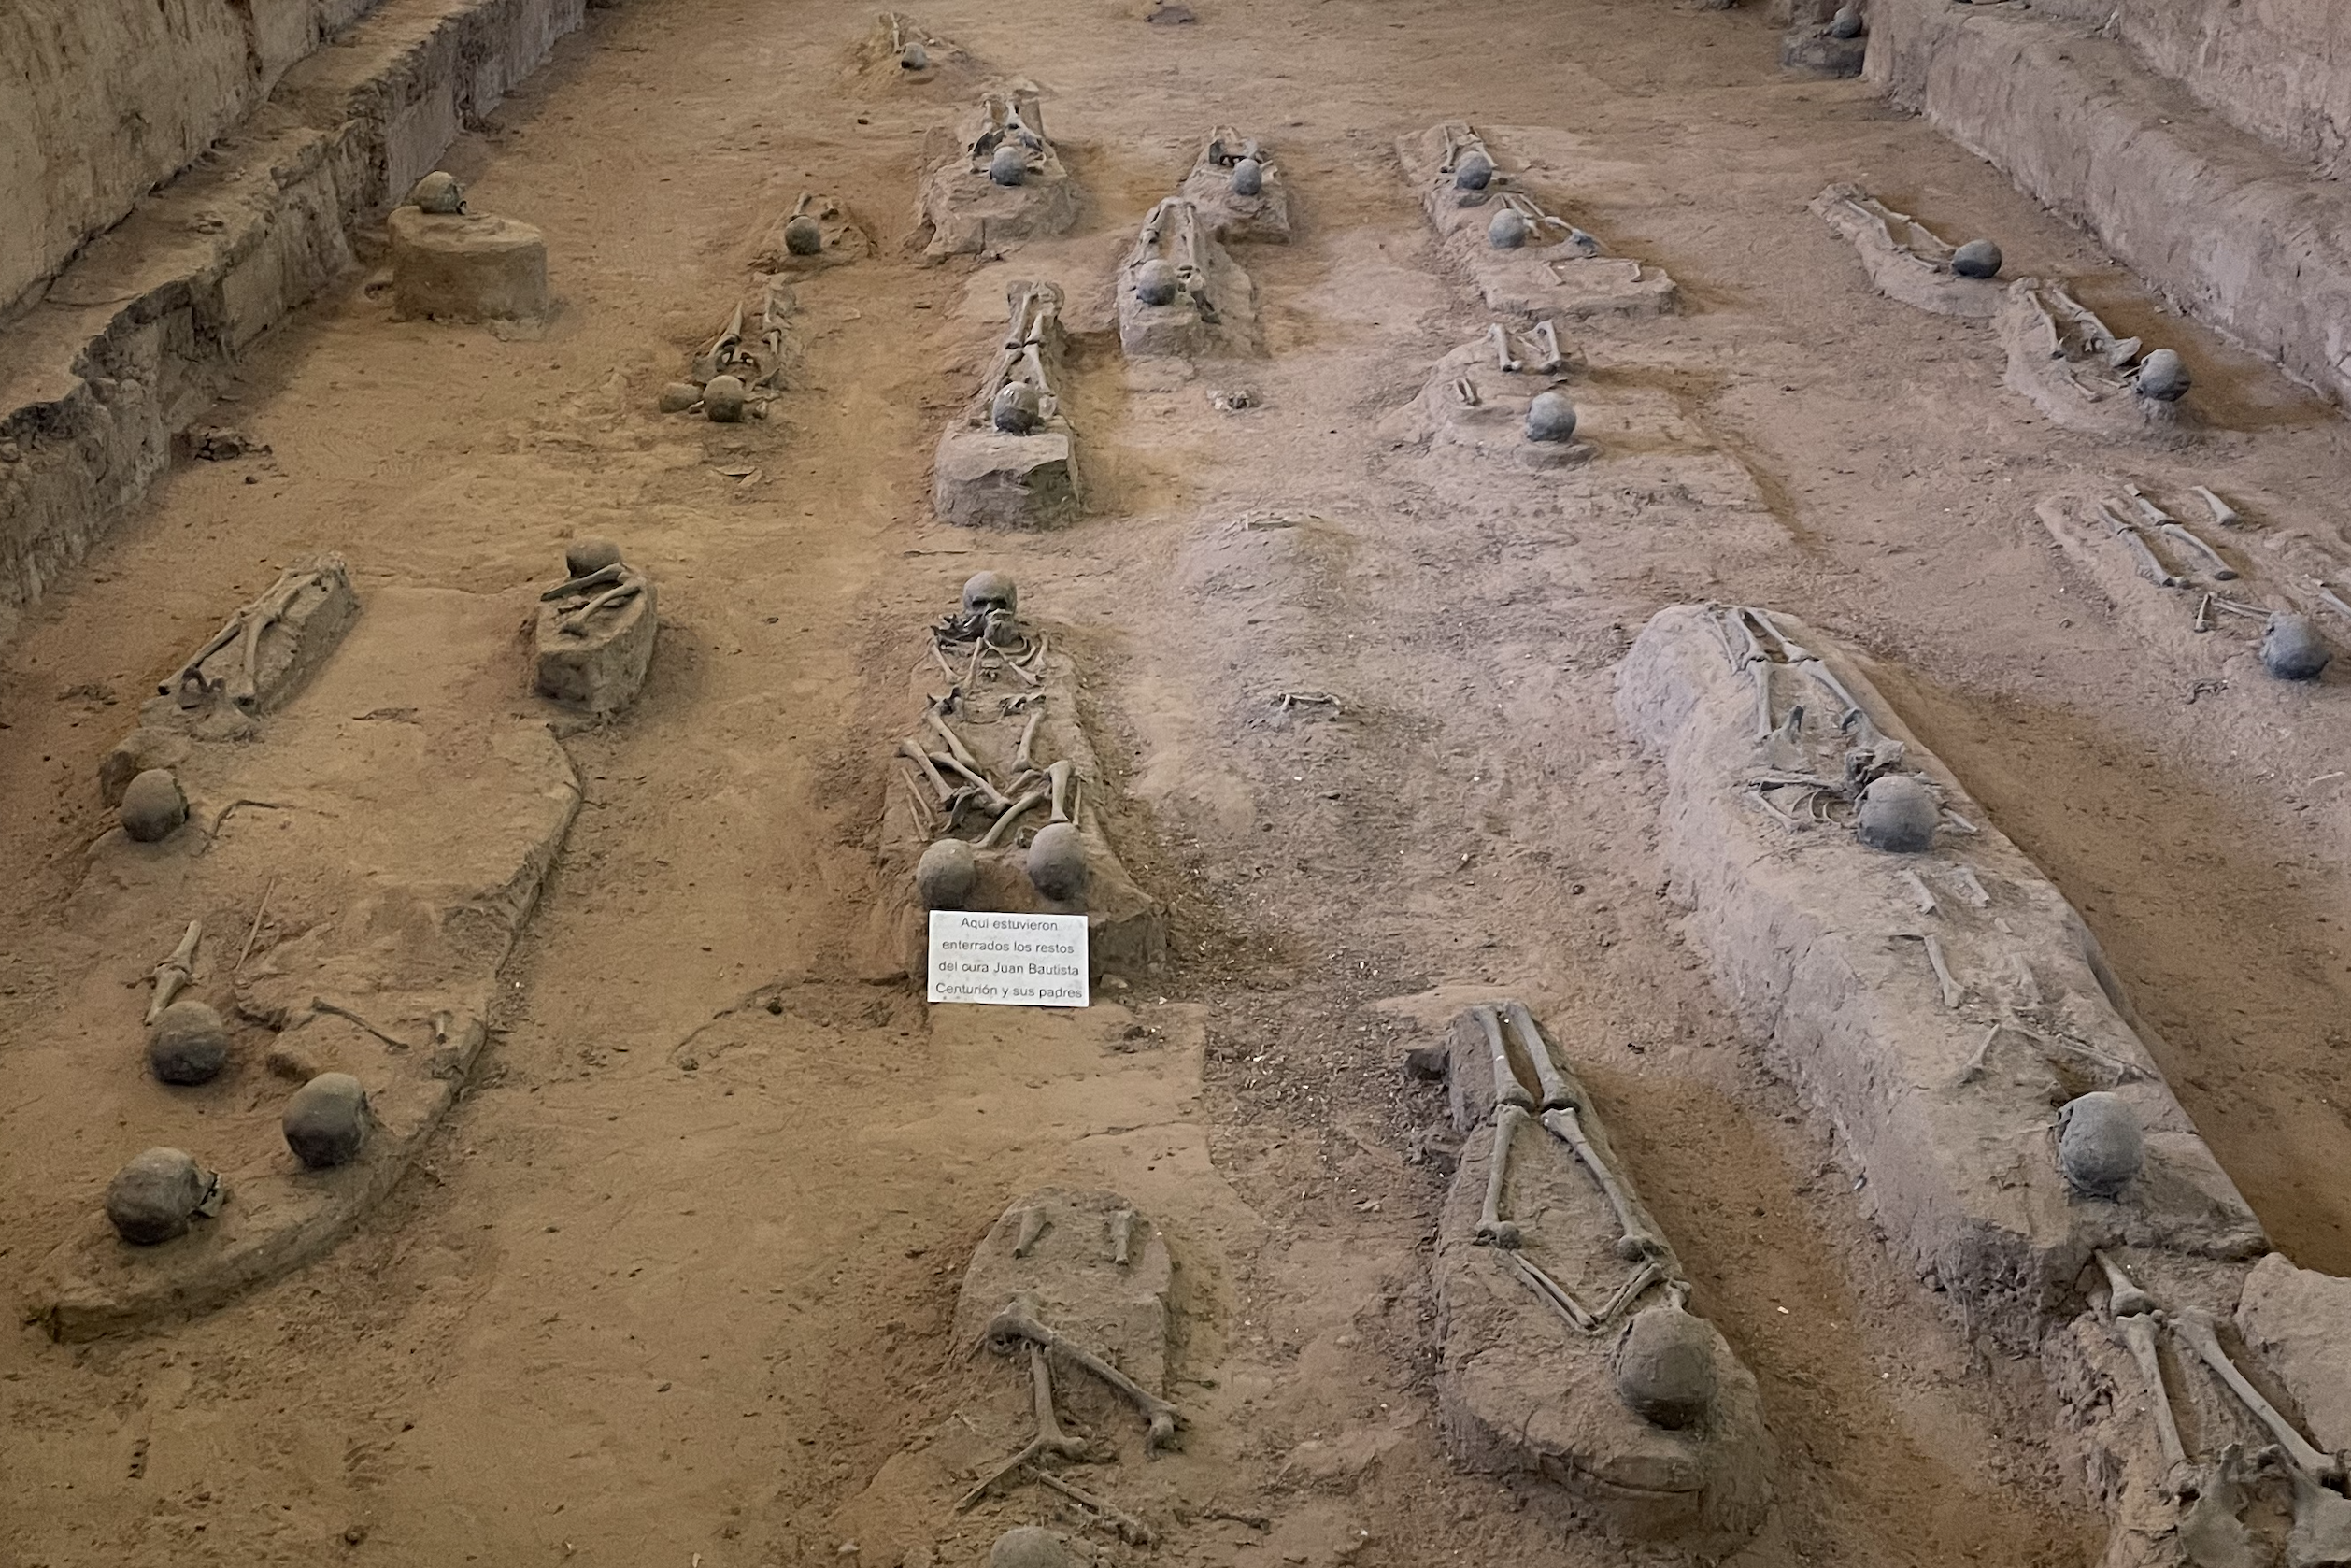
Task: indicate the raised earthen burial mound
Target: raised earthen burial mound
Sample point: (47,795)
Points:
(368,806)
(1933,994)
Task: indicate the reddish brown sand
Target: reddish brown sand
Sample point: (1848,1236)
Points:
(645,1301)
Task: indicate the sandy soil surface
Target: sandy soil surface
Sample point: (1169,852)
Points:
(653,1300)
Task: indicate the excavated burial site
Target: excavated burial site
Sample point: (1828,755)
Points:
(691,1263)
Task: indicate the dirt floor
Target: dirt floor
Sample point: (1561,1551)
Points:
(648,1299)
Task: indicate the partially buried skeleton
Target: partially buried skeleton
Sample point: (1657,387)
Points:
(1567,1349)
(995,805)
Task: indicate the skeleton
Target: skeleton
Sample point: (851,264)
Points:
(2097,363)
(1466,158)
(1171,235)
(1034,330)
(604,589)
(245,628)
(174,974)
(1556,1109)
(1900,231)
(1015,120)
(1548,225)
(1545,357)
(1017,1323)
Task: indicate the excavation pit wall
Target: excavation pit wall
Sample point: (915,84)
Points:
(140,333)
(2230,229)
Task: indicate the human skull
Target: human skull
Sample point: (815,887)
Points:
(2291,648)
(1155,282)
(1847,24)
(326,1121)
(2163,375)
(1017,409)
(1550,416)
(1977,258)
(1508,231)
(152,807)
(986,592)
(1057,864)
(153,1198)
(1897,815)
(1664,1366)
(1029,1545)
(188,1045)
(2100,1146)
(591,554)
(1249,178)
(722,399)
(1474,171)
(1008,165)
(804,236)
(944,876)
(914,57)
(438,192)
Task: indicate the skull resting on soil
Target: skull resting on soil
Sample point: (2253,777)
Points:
(154,1197)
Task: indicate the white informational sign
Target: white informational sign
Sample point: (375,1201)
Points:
(1020,961)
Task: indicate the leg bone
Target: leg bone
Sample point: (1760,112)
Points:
(1492,1229)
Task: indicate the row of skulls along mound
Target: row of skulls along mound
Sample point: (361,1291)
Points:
(1922,983)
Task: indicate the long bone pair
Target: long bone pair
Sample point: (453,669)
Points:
(174,974)
(1559,1107)
(1017,1321)
(603,577)
(1534,1278)
(2133,540)
(574,620)
(2194,1329)
(249,624)
(2221,570)
(1001,829)
(1050,1442)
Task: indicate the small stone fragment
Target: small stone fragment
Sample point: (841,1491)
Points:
(1474,171)
(188,1045)
(1057,864)
(1508,229)
(722,399)
(1249,178)
(678,397)
(944,876)
(2291,648)
(1977,258)
(1155,282)
(1008,165)
(804,236)
(591,554)
(1898,814)
(153,1198)
(1016,410)
(1550,416)
(1029,1545)
(152,807)
(1664,1368)
(326,1121)
(437,191)
(2163,375)
(2100,1147)
(1847,24)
